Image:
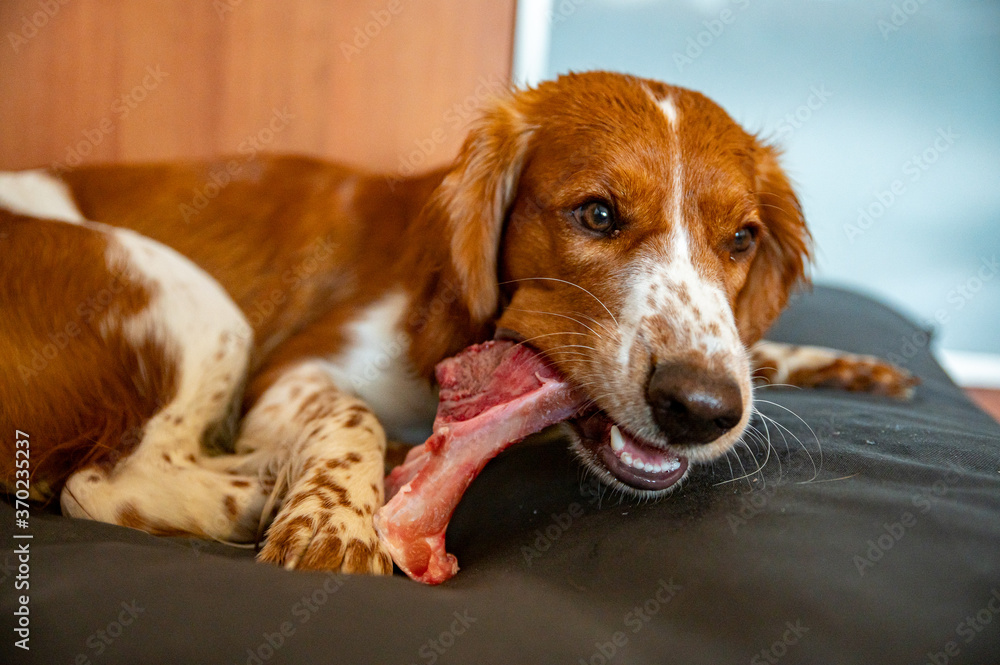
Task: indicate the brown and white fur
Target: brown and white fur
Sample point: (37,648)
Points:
(239,367)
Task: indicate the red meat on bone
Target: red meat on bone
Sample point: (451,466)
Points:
(492,396)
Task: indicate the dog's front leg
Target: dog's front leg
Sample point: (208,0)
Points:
(819,367)
(324,450)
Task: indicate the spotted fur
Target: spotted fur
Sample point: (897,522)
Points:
(818,367)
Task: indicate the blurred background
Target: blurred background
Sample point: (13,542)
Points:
(888,112)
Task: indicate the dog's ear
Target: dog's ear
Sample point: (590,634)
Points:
(783,254)
(475,196)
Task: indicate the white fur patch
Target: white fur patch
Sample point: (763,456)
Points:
(375,367)
(175,494)
(162,481)
(191,313)
(682,300)
(38,194)
(670,110)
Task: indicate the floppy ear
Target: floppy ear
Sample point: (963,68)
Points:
(783,254)
(475,197)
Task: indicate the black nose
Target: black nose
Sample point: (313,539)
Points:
(693,405)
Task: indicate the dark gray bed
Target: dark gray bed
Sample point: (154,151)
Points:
(890,554)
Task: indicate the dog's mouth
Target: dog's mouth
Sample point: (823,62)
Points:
(630,460)
(611,448)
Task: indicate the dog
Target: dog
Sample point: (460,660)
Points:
(221,369)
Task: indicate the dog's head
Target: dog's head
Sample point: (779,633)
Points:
(639,238)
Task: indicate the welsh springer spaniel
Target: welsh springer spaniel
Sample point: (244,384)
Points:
(221,364)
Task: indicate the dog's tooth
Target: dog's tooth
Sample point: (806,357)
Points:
(617,442)
(626,458)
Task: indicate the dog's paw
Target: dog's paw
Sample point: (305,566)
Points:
(820,367)
(316,532)
(863,374)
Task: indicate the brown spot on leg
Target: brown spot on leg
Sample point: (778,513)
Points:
(327,554)
(129,515)
(337,464)
(358,557)
(385,564)
(294,502)
(282,538)
(231,508)
(318,405)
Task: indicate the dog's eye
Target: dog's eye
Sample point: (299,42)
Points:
(743,240)
(596,216)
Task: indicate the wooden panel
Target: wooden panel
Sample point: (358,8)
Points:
(987,399)
(380,83)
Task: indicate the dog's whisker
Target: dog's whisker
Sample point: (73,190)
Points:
(746,475)
(819,446)
(767,456)
(575,357)
(532,339)
(781,427)
(563,316)
(770,446)
(612,331)
(556,279)
(765,441)
(777,385)
(573,346)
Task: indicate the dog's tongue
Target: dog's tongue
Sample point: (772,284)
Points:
(629,460)
(492,395)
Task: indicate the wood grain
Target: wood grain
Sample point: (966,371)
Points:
(988,400)
(386,84)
